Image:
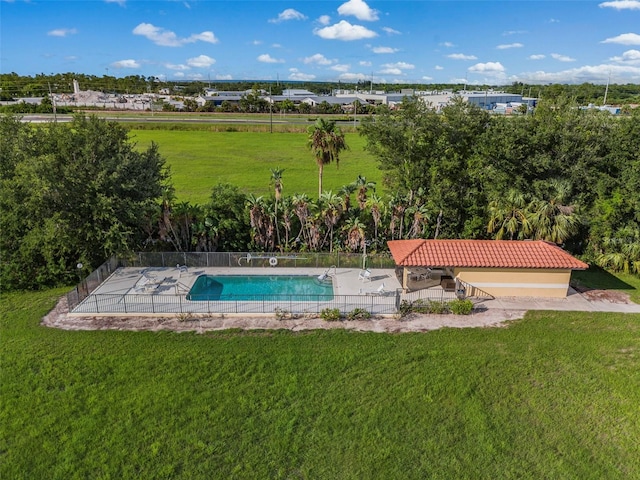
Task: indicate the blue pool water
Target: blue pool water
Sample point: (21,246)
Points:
(260,287)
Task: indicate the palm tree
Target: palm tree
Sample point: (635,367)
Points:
(287,212)
(551,219)
(363,187)
(397,207)
(510,215)
(331,209)
(258,219)
(301,206)
(376,205)
(622,255)
(420,220)
(276,181)
(355,234)
(326,140)
(345,192)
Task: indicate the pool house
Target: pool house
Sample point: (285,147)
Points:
(497,268)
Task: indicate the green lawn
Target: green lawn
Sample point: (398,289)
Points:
(555,395)
(201,159)
(599,278)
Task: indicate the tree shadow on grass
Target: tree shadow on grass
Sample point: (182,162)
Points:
(596,278)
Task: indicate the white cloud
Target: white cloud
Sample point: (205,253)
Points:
(196,76)
(624,39)
(400,65)
(276,45)
(167,38)
(324,19)
(62,32)
(256,42)
(119,2)
(343,30)
(438,67)
(179,75)
(208,37)
(353,76)
(391,71)
(224,77)
(266,58)
(462,56)
(391,31)
(125,64)
(622,5)
(447,44)
(384,50)
(562,58)
(554,20)
(488,68)
(509,45)
(514,32)
(297,75)
(358,9)
(288,14)
(537,56)
(427,78)
(201,61)
(341,67)
(631,57)
(585,74)
(71,58)
(364,63)
(318,59)
(177,67)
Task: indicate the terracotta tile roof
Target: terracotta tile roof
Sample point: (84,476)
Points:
(482,254)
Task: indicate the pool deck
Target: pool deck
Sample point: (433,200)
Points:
(172,281)
(163,290)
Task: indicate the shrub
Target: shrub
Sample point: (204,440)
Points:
(461,307)
(185,317)
(421,306)
(437,307)
(281,313)
(358,314)
(330,314)
(405,308)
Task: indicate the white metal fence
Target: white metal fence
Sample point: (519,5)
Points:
(82,300)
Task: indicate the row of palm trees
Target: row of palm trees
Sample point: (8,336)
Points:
(299,222)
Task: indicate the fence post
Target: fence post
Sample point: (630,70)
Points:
(124,302)
(95,298)
(153,306)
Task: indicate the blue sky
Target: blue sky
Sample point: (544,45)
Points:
(387,41)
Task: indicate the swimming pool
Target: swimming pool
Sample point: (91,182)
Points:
(260,287)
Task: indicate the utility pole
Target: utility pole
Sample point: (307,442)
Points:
(606,90)
(53,104)
(270,111)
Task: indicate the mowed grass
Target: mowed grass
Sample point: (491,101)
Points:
(555,395)
(201,159)
(599,278)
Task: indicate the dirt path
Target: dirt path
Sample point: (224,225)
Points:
(58,318)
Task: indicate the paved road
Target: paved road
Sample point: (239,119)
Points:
(277,119)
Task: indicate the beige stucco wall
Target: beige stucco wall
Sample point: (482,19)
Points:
(517,282)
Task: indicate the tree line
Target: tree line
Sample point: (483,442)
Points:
(76,193)
(13,85)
